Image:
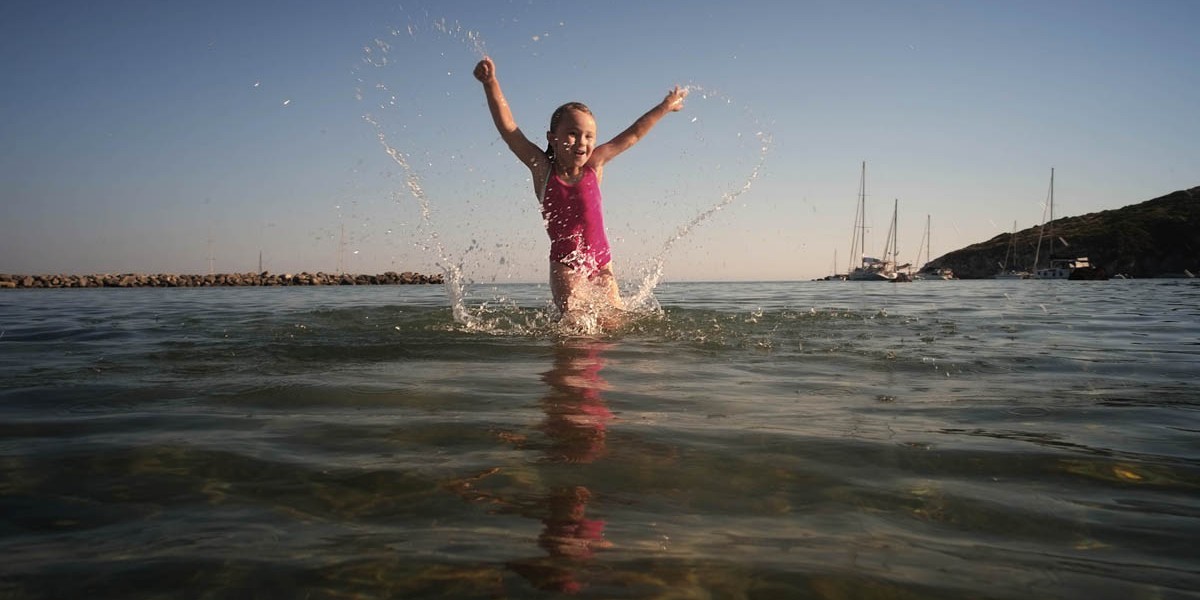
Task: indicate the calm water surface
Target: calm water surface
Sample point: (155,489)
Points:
(800,440)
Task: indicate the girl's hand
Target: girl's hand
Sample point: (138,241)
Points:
(674,99)
(485,71)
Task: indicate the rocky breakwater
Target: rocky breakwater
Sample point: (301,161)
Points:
(136,280)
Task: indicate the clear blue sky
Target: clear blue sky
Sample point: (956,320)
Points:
(149,136)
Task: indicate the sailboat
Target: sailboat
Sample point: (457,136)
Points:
(868,268)
(1061,268)
(926,272)
(833,274)
(1055,268)
(892,269)
(1011,254)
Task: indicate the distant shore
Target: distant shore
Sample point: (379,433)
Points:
(138,280)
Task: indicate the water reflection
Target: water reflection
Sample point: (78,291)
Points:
(576,427)
(576,415)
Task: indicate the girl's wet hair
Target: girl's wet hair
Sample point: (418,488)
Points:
(557,116)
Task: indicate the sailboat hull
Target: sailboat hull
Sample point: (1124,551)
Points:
(1052,273)
(869,275)
(1088,274)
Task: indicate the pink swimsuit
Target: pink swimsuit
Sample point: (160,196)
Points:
(575,223)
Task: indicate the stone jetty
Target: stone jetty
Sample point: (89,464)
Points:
(137,280)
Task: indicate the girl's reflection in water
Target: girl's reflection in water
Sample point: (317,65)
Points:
(575,425)
(576,415)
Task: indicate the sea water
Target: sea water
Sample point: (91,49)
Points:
(1012,439)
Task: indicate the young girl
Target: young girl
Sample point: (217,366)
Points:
(566,179)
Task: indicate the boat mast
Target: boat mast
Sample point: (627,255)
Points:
(892,244)
(858,243)
(928,244)
(1011,250)
(1037,255)
(928,241)
(889,244)
(1051,223)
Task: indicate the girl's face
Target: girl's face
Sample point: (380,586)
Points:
(573,139)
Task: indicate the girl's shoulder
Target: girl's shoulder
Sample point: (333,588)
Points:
(541,172)
(540,169)
(597,170)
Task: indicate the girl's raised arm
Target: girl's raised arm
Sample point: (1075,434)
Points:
(526,151)
(626,139)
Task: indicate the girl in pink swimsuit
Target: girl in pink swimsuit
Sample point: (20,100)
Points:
(566,179)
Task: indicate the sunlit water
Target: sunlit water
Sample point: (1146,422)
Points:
(802,440)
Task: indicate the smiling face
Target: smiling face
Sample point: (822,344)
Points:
(572,137)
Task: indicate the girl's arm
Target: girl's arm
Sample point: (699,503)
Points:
(626,139)
(527,152)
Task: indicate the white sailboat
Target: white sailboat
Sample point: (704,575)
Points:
(925,272)
(1055,268)
(833,274)
(1011,254)
(1062,268)
(868,268)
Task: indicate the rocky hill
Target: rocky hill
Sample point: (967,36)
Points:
(1156,238)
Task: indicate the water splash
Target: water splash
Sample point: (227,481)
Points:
(485,318)
(428,240)
(643,298)
(496,316)
(452,273)
(456,31)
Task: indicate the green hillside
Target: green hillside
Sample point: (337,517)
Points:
(1156,238)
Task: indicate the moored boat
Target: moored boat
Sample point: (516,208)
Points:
(1007,272)
(1076,269)
(927,272)
(869,268)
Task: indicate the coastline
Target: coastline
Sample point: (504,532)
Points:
(265,278)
